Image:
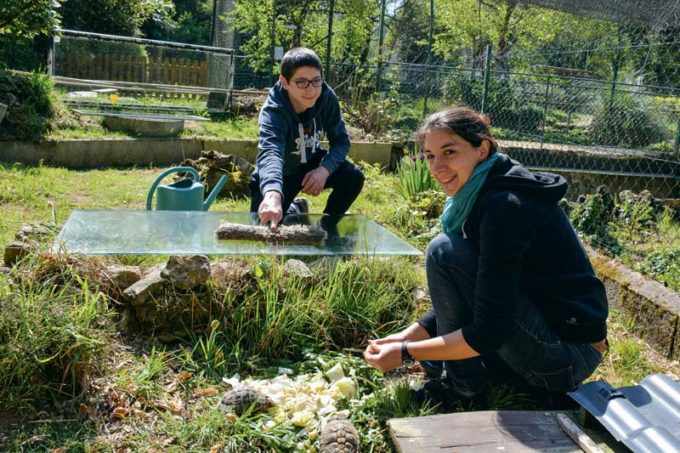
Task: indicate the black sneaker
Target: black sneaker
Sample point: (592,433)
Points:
(299,206)
(442,392)
(436,392)
(433,368)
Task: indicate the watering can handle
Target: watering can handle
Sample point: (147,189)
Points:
(152,190)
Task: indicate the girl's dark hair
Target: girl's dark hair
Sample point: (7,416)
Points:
(462,121)
(298,57)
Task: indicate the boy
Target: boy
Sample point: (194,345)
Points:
(299,109)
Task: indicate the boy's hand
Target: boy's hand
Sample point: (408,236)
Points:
(270,210)
(314,181)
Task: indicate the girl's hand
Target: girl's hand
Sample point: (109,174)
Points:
(394,338)
(383,357)
(414,332)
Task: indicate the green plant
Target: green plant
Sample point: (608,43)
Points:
(413,175)
(52,333)
(663,265)
(208,356)
(140,380)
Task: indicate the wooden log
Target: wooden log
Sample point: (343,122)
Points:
(288,234)
(577,435)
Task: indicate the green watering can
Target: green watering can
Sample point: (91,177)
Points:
(183,195)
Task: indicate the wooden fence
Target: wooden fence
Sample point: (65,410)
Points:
(130,68)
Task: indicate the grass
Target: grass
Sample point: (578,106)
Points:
(69,380)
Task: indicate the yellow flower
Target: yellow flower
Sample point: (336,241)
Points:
(113,98)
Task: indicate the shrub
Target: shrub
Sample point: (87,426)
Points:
(29,101)
(636,211)
(626,120)
(504,102)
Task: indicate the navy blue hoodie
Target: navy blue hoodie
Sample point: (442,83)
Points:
(526,245)
(282,131)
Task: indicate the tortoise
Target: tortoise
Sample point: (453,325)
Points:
(339,436)
(241,399)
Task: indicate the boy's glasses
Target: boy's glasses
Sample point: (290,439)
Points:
(304,83)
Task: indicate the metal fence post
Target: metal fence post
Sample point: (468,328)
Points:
(272,50)
(429,55)
(331,12)
(545,107)
(51,56)
(487,72)
(615,71)
(381,37)
(677,135)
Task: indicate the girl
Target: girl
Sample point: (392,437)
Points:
(514,296)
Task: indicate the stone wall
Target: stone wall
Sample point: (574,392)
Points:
(654,308)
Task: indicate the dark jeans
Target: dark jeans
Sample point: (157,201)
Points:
(534,355)
(346,182)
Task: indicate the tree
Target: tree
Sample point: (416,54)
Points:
(288,23)
(118,17)
(28,18)
(25,27)
(410,31)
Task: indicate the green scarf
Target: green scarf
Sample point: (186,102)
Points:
(457,208)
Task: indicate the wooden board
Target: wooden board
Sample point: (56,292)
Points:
(502,431)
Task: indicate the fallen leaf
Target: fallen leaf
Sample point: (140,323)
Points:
(183,376)
(139,413)
(119,413)
(208,391)
(87,410)
(217,448)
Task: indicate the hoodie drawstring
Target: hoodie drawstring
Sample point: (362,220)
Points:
(302,147)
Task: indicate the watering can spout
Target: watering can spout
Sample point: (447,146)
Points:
(208,201)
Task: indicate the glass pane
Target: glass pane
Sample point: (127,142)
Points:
(118,232)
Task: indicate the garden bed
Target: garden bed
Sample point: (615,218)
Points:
(90,370)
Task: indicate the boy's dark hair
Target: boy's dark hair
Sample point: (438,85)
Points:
(462,121)
(297,57)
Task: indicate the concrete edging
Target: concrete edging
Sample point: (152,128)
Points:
(654,308)
(145,151)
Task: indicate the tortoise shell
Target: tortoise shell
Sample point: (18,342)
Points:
(339,436)
(240,400)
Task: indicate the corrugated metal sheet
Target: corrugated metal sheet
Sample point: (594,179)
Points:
(645,417)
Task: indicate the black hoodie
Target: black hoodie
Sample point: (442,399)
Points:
(288,140)
(526,245)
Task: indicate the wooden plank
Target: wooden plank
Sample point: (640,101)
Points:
(509,431)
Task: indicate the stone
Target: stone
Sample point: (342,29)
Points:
(5,270)
(187,272)
(297,268)
(34,231)
(226,271)
(145,289)
(122,277)
(15,251)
